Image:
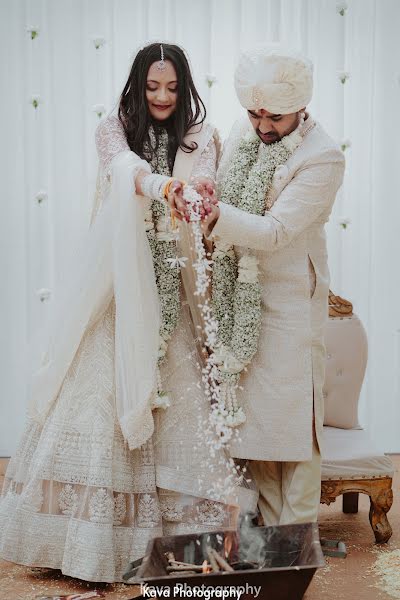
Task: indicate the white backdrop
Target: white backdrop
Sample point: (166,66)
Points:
(64,61)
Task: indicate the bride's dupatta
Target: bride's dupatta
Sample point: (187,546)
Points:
(114,259)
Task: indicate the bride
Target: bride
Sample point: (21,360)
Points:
(111,454)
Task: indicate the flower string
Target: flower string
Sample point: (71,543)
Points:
(215,432)
(163,245)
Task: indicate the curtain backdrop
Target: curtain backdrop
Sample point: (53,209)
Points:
(63,64)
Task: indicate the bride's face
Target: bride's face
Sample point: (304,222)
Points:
(162,90)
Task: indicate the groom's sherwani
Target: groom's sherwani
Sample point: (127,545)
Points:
(288,370)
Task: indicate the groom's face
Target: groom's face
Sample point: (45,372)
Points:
(271,128)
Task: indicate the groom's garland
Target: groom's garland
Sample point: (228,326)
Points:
(236,290)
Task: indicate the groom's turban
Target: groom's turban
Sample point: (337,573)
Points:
(274,79)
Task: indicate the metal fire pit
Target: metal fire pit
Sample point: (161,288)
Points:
(287,558)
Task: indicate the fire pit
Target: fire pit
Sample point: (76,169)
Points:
(282,560)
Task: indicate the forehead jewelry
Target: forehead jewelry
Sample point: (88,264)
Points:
(161,64)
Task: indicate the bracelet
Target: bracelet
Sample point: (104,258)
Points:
(167,187)
(153,185)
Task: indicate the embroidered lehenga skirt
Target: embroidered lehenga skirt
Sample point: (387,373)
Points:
(76,498)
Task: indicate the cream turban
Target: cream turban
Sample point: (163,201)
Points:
(275,79)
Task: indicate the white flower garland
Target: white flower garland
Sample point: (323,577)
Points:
(163,244)
(236,290)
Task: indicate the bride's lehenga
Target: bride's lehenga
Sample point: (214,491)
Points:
(75,497)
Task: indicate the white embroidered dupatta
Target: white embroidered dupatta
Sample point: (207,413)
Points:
(115,259)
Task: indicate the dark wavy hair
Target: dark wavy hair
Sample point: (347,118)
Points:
(134,112)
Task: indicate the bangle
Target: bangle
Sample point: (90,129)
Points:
(167,187)
(153,185)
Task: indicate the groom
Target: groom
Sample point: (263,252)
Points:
(281,389)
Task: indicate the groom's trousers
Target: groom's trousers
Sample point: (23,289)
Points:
(289,492)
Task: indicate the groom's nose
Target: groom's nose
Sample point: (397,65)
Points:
(265,126)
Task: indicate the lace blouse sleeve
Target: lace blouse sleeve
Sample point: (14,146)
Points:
(110,140)
(206,166)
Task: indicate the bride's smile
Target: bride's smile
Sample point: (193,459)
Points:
(162,90)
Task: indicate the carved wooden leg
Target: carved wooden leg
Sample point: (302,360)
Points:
(350,502)
(380,494)
(381,501)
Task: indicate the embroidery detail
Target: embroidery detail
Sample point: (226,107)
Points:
(33,497)
(119,509)
(171,510)
(147,453)
(256,96)
(101,507)
(68,500)
(211,513)
(149,514)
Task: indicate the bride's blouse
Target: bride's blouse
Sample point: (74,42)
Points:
(111,140)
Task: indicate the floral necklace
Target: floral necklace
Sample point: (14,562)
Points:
(163,245)
(236,290)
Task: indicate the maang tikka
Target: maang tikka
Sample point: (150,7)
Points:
(161,64)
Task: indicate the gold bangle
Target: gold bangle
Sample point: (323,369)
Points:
(167,188)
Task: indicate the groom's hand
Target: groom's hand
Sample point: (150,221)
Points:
(206,188)
(210,220)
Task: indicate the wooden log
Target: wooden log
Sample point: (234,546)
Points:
(182,568)
(212,559)
(222,562)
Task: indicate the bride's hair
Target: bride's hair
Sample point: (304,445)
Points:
(133,109)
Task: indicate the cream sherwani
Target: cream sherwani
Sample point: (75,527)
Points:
(283,384)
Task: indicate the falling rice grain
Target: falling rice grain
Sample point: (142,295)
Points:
(387,567)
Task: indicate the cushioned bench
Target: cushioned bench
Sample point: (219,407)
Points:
(351,464)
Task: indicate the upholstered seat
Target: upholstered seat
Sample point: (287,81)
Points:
(351,464)
(350,454)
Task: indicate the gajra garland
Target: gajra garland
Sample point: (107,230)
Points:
(236,290)
(163,244)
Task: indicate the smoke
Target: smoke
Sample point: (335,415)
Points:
(253,541)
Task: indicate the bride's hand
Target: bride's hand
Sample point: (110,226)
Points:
(179,208)
(176,202)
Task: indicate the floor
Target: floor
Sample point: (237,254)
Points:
(370,572)
(362,575)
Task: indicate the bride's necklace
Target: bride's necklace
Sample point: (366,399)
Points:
(163,244)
